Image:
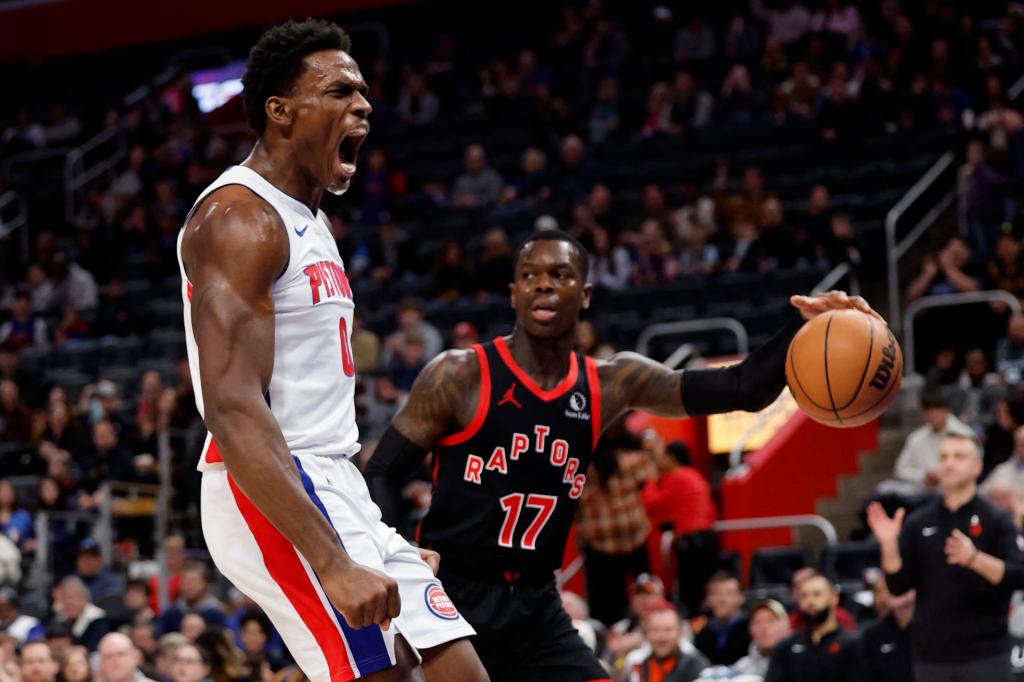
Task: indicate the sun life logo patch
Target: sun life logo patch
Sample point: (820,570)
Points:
(439,603)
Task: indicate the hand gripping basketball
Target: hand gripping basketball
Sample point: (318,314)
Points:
(362,595)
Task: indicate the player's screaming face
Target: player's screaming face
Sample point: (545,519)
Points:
(549,288)
(325,118)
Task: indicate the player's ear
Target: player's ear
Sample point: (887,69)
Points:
(278,111)
(588,290)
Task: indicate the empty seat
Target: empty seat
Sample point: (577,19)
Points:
(847,561)
(776,565)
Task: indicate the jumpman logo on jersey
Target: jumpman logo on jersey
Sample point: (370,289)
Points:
(510,397)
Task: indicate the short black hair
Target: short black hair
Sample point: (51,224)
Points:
(678,451)
(934,398)
(275,62)
(554,236)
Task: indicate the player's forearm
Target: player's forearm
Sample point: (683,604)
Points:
(257,457)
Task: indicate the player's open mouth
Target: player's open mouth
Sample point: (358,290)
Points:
(348,150)
(543,313)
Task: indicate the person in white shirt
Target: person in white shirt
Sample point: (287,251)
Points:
(1010,472)
(917,464)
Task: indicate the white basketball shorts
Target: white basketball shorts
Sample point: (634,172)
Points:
(264,565)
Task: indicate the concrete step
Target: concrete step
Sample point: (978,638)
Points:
(860,486)
(876,462)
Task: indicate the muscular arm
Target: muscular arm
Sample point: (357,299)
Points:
(232,256)
(438,402)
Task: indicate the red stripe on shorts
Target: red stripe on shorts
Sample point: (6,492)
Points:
(285,567)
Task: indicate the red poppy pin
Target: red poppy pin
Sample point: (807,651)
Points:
(975,529)
(833,648)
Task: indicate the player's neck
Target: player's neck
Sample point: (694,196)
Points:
(278,166)
(545,360)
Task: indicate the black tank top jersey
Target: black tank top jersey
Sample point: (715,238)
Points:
(506,488)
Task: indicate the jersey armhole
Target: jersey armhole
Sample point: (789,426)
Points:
(482,406)
(595,398)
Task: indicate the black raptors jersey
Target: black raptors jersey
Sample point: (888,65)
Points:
(506,488)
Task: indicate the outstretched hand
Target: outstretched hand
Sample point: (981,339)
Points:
(885,528)
(812,306)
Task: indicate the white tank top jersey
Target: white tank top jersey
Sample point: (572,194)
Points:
(312,387)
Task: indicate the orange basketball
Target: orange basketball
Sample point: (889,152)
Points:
(844,368)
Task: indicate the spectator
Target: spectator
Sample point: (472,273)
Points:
(143,635)
(987,190)
(725,637)
(8,658)
(977,392)
(789,24)
(20,626)
(590,631)
(15,522)
(254,637)
(667,662)
(604,115)
(102,582)
(611,525)
(226,662)
(190,664)
(652,258)
(769,624)
(167,647)
(950,271)
(740,103)
(410,320)
(73,608)
(1010,351)
(796,617)
(464,335)
(533,184)
(575,176)
(23,328)
(366,346)
(610,264)
(76,287)
(192,625)
(417,103)
(479,185)
(392,254)
(963,592)
(174,558)
(15,415)
(404,369)
(698,255)
(1006,270)
(999,439)
(453,278)
(1010,472)
(588,343)
(74,665)
(885,645)
(135,607)
(494,266)
(658,119)
(841,244)
(380,185)
(822,651)
(108,460)
(695,43)
(195,598)
(918,462)
(37,663)
(119,660)
(680,499)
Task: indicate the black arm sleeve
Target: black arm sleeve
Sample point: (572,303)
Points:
(751,385)
(907,577)
(394,459)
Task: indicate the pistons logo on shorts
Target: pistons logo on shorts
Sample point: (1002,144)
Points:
(439,603)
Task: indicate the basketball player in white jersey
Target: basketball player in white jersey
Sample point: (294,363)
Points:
(268,316)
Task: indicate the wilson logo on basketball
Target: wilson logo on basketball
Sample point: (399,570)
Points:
(884,370)
(439,603)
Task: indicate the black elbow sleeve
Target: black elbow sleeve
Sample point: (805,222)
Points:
(394,459)
(750,385)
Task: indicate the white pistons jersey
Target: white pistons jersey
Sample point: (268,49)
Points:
(312,387)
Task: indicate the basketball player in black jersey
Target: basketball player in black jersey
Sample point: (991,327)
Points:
(512,424)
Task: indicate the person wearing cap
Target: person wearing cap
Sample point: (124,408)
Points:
(667,660)
(965,558)
(885,645)
(821,652)
(16,624)
(102,582)
(769,624)
(625,635)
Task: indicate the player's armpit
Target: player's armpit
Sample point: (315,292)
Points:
(632,381)
(443,398)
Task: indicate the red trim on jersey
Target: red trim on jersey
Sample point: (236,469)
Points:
(212,454)
(568,382)
(285,567)
(482,405)
(188,291)
(595,398)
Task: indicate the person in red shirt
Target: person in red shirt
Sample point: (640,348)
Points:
(680,499)
(174,552)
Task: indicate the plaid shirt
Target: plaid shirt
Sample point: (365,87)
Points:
(611,518)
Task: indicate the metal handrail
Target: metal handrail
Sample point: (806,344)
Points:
(77,176)
(687,326)
(18,222)
(945,300)
(793,521)
(564,575)
(835,276)
(681,356)
(894,249)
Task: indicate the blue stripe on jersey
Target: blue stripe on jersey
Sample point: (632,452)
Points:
(367,644)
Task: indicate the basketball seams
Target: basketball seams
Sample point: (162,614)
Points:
(828,383)
(867,364)
(800,384)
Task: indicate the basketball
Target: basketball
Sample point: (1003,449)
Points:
(844,368)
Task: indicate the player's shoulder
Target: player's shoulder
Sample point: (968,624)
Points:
(461,366)
(235,211)
(608,368)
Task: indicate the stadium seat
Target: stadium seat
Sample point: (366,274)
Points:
(846,561)
(776,565)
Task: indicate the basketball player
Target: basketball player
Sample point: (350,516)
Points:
(512,424)
(268,316)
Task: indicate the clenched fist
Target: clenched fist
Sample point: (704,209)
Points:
(362,595)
